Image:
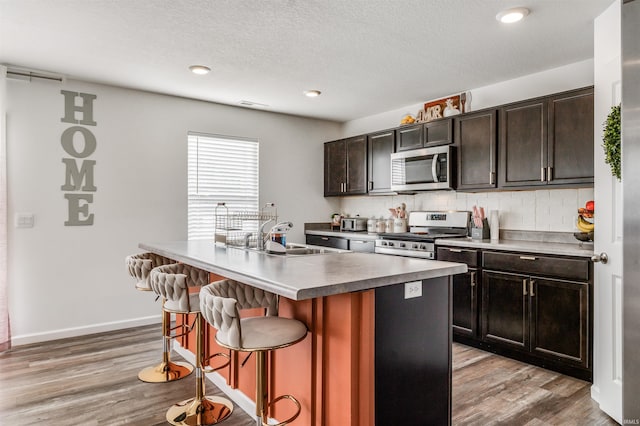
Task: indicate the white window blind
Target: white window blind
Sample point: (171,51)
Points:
(221,169)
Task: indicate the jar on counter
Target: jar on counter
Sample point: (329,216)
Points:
(371,226)
(381,226)
(390,227)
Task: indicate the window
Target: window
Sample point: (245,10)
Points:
(221,169)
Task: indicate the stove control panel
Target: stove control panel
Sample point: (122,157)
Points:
(425,250)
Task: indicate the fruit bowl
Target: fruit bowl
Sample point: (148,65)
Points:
(584,236)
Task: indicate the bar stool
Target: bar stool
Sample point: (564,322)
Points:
(139,267)
(220,303)
(173,282)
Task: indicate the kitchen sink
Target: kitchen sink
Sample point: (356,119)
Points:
(295,249)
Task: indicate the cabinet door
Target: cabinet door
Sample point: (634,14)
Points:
(465,319)
(560,320)
(409,137)
(523,144)
(356,182)
(438,132)
(381,146)
(571,138)
(505,309)
(476,142)
(335,167)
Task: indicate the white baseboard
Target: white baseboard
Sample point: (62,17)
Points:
(25,339)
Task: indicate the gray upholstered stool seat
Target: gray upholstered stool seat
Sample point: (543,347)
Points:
(265,333)
(220,305)
(174,283)
(139,267)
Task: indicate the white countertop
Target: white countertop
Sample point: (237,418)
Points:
(304,277)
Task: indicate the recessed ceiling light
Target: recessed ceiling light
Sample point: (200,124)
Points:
(199,69)
(312,93)
(510,16)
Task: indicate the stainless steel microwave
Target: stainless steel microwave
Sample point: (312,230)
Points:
(422,169)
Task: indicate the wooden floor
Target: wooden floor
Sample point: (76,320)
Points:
(92,380)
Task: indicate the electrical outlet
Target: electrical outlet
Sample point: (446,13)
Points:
(412,289)
(24,220)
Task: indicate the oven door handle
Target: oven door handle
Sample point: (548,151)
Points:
(434,167)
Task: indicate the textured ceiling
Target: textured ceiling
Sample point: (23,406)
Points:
(366,56)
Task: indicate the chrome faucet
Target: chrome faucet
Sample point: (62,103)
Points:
(262,236)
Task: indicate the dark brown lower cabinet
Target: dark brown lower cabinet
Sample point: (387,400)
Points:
(531,307)
(548,319)
(465,290)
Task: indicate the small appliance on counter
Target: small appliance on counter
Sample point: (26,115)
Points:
(353,224)
(277,238)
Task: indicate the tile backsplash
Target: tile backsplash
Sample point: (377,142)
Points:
(542,210)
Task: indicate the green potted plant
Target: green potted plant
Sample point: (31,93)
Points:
(611,141)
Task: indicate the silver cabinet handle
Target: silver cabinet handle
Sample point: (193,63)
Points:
(492,178)
(370,185)
(543,174)
(527,258)
(602,257)
(358,241)
(455,250)
(473,279)
(324,238)
(531,283)
(550,173)
(524,287)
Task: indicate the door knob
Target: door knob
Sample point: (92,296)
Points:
(602,257)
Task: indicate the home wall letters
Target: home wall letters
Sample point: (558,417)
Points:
(79,143)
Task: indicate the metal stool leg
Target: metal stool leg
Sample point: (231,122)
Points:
(166,371)
(262,394)
(202,410)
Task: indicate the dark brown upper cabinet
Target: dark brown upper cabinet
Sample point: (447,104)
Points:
(345,166)
(380,147)
(438,132)
(547,141)
(476,142)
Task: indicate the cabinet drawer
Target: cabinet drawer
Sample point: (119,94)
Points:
(531,264)
(452,254)
(368,246)
(335,242)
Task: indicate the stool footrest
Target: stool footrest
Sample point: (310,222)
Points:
(209,369)
(290,419)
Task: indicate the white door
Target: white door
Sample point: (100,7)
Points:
(607,324)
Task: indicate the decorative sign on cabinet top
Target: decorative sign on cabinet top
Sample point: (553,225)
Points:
(445,107)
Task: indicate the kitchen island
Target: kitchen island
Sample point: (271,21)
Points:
(379,344)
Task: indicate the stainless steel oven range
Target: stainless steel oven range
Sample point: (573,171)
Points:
(424,228)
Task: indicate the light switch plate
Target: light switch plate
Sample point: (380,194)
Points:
(25,220)
(412,289)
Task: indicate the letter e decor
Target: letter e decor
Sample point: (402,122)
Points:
(79,143)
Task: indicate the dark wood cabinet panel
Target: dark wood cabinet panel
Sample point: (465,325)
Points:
(465,304)
(335,168)
(438,132)
(535,264)
(345,166)
(476,142)
(560,318)
(465,290)
(547,141)
(409,137)
(571,138)
(505,310)
(356,165)
(523,144)
(381,146)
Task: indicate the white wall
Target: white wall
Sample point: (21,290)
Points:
(541,210)
(67,281)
